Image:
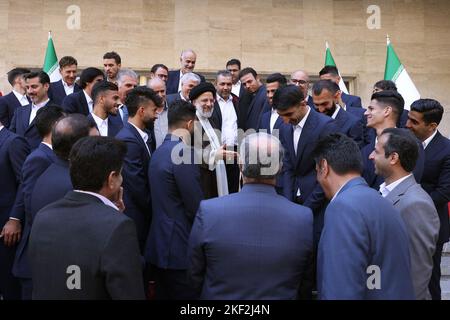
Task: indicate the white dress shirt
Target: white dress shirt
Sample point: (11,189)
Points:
(297,133)
(229,121)
(273,119)
(102,125)
(161,126)
(35,108)
(105,200)
(143,135)
(336,112)
(68,89)
(236,88)
(179,81)
(1,127)
(48,145)
(386,189)
(90,102)
(428,140)
(22,98)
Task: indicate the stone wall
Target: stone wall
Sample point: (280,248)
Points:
(270,35)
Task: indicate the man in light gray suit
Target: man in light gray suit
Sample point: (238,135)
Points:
(395,157)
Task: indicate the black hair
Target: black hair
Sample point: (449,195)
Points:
(246,71)
(329,70)
(404,143)
(43,77)
(67,61)
(92,160)
(14,73)
(113,55)
(329,85)
(277,77)
(386,85)
(139,95)
(391,98)
(46,118)
(287,97)
(88,75)
(157,66)
(180,111)
(101,87)
(431,110)
(341,152)
(233,62)
(67,131)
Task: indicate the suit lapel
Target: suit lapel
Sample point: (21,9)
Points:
(433,147)
(400,190)
(138,137)
(26,118)
(217,116)
(305,137)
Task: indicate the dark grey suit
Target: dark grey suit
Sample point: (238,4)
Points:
(79,230)
(422,224)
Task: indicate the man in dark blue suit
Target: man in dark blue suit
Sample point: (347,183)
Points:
(16,98)
(232,253)
(37,84)
(332,73)
(105,114)
(423,121)
(270,120)
(35,164)
(13,151)
(60,89)
(253,102)
(363,251)
(51,186)
(383,112)
(143,105)
(187,61)
(176,194)
(326,96)
(188,81)
(81,101)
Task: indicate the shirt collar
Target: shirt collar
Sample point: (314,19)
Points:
(40,105)
(219,98)
(66,85)
(336,112)
(428,140)
(142,133)
(386,189)
(301,124)
(98,119)
(105,200)
(47,144)
(88,98)
(1,127)
(335,195)
(19,96)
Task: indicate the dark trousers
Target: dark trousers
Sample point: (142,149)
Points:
(27,288)
(9,285)
(173,285)
(435,282)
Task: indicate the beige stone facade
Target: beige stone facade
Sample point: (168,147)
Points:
(270,35)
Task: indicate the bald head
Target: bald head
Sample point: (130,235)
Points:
(187,60)
(67,131)
(159,86)
(301,79)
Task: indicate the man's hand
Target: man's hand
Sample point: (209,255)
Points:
(11,232)
(119,201)
(224,154)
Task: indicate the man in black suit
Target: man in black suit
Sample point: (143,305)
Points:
(332,73)
(143,105)
(16,98)
(95,255)
(37,84)
(423,121)
(301,79)
(105,114)
(187,62)
(51,185)
(253,102)
(81,101)
(326,95)
(112,63)
(224,118)
(188,81)
(234,67)
(62,88)
(13,151)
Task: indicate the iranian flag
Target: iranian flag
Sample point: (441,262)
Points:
(329,61)
(396,72)
(51,66)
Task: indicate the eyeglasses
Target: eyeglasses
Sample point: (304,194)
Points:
(299,82)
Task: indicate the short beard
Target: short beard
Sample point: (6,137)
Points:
(203,114)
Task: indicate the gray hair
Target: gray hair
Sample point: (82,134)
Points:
(261,156)
(153,81)
(186,51)
(190,76)
(223,73)
(125,73)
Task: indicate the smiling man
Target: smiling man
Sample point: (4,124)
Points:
(188,58)
(112,63)
(62,88)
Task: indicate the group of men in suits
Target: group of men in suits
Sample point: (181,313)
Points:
(330,152)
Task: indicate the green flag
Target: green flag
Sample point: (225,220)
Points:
(396,72)
(329,61)
(51,61)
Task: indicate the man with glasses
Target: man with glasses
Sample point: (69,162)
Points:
(301,79)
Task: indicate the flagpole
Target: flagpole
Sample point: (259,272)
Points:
(388,41)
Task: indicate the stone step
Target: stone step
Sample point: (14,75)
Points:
(445,288)
(445,266)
